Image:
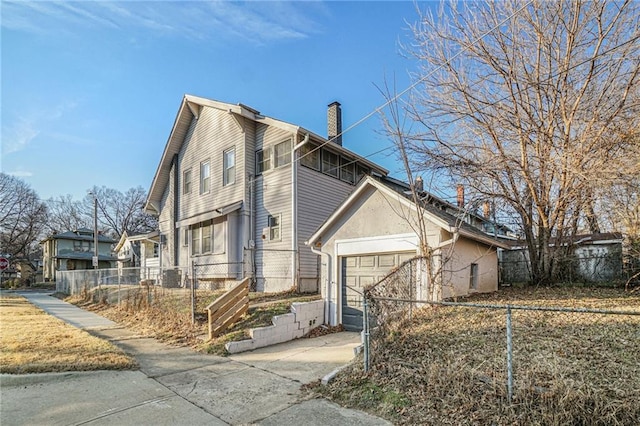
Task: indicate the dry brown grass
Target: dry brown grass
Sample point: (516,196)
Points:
(165,314)
(448,365)
(32,341)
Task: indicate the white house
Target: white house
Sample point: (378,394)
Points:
(238,193)
(375,231)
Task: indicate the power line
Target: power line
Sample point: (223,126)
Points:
(411,86)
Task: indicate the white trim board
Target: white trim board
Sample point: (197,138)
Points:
(380,244)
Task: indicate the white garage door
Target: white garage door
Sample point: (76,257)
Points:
(359,272)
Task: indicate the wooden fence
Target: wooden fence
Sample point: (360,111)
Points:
(228,308)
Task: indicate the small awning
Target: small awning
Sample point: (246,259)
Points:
(222,211)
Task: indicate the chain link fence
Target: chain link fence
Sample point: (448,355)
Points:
(540,348)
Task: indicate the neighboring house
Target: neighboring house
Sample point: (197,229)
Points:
(128,251)
(139,255)
(73,250)
(26,270)
(374,231)
(586,258)
(238,193)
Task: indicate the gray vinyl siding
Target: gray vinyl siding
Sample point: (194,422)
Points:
(166,221)
(319,195)
(208,137)
(273,197)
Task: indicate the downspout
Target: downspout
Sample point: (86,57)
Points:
(327,304)
(294,208)
(252,234)
(176,212)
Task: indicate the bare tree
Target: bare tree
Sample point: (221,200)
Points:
(528,105)
(66,214)
(22,216)
(119,212)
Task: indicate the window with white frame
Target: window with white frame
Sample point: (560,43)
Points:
(205,177)
(229,167)
(185,237)
(263,160)
(310,156)
(186,181)
(205,232)
(195,240)
(282,154)
(330,163)
(347,170)
(208,237)
(274,227)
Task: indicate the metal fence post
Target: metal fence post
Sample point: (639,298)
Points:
(509,357)
(193,292)
(119,289)
(365,326)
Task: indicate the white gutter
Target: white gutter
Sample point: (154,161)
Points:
(294,205)
(327,302)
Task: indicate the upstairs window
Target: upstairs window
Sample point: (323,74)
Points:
(82,246)
(330,164)
(205,177)
(186,182)
(229,167)
(282,153)
(310,156)
(347,168)
(263,160)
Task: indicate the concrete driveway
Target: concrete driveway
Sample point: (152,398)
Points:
(177,386)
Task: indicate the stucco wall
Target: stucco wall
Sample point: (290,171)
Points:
(378,222)
(457,271)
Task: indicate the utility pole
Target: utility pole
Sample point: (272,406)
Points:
(95,260)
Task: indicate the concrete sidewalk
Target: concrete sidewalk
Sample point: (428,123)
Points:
(178,386)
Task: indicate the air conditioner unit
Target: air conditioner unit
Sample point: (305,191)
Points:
(266,233)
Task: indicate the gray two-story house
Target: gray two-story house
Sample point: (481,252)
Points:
(238,193)
(74,250)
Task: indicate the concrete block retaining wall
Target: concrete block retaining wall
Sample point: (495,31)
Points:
(304,317)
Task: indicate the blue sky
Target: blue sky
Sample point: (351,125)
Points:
(90,89)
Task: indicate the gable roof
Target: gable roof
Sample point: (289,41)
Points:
(400,191)
(191,107)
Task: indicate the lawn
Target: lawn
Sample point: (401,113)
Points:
(447,365)
(32,341)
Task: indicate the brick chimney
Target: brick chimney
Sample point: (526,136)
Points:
(334,123)
(460,193)
(486,209)
(418,184)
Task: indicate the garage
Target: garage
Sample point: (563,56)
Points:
(359,272)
